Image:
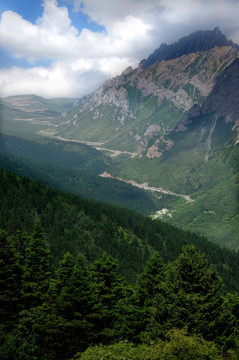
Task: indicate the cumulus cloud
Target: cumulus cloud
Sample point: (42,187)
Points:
(81,59)
(51,37)
(59,80)
(75,56)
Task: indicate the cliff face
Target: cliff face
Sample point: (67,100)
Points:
(138,110)
(225,94)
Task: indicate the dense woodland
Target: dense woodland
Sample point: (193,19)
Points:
(85,280)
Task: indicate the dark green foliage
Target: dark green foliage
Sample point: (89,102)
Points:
(75,304)
(149,282)
(36,272)
(21,342)
(65,271)
(191,297)
(79,307)
(10,277)
(109,290)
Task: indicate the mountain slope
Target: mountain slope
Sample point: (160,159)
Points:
(203,163)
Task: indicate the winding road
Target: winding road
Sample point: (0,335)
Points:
(145,186)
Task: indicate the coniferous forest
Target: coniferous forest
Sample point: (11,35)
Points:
(84,280)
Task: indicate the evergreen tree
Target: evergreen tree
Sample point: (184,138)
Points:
(192,298)
(76,303)
(21,242)
(65,271)
(51,330)
(36,272)
(148,287)
(149,282)
(108,289)
(77,297)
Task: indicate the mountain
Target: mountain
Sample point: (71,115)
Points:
(197,41)
(137,110)
(177,121)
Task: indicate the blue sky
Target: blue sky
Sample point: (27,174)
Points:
(57,48)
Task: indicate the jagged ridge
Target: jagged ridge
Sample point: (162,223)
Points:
(197,41)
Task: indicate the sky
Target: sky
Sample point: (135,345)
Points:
(67,48)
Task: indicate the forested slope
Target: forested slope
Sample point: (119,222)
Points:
(63,295)
(174,311)
(74,224)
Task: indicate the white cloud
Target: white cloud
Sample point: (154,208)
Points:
(81,59)
(52,36)
(60,80)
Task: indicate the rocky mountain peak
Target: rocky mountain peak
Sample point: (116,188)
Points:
(138,110)
(197,41)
